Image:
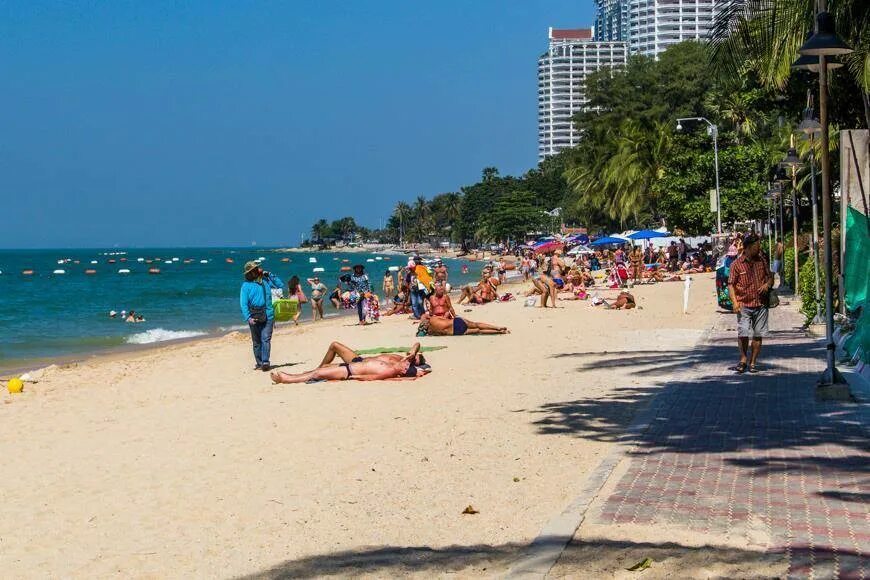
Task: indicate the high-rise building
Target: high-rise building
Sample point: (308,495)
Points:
(654,25)
(622,27)
(611,20)
(572,55)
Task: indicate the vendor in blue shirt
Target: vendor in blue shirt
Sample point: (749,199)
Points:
(256,301)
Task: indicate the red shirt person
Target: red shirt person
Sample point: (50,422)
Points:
(749,283)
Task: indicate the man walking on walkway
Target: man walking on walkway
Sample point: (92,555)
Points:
(749,283)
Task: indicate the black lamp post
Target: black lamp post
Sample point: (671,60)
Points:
(822,44)
(810,126)
(792,161)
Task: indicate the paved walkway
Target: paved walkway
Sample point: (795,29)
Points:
(726,455)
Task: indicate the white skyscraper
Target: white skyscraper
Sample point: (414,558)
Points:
(562,71)
(654,25)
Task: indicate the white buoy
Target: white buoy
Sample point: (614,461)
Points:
(174,259)
(317,270)
(686,285)
(59,272)
(312,260)
(203,261)
(393,268)
(123,271)
(140,259)
(93,261)
(60,261)
(369,260)
(378,258)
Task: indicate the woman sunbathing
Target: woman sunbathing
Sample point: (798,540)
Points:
(440,326)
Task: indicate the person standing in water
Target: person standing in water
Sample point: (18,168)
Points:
(255,299)
(318,290)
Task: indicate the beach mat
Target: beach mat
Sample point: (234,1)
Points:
(397,349)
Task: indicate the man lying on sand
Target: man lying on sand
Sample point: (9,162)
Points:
(357,368)
(441,326)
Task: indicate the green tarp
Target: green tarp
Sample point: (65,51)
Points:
(856,272)
(856,275)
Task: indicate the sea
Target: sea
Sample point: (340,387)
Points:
(60,312)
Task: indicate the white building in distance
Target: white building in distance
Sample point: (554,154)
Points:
(572,55)
(654,25)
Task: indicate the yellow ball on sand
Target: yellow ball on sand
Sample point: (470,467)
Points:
(15,385)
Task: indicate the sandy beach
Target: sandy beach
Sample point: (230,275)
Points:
(183,462)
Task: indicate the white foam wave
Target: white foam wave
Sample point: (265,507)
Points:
(161,335)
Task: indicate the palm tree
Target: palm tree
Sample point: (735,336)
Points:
(403,212)
(623,183)
(764,36)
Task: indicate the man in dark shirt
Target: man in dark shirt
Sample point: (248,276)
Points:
(749,283)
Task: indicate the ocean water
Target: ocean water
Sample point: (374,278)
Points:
(48,316)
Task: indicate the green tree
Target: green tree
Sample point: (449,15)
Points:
(763,37)
(513,215)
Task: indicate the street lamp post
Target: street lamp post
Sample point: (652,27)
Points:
(809,126)
(792,161)
(824,43)
(714,132)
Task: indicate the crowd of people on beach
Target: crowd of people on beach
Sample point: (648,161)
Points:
(422,291)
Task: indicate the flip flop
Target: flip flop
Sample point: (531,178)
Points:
(312,381)
(740,368)
(753,369)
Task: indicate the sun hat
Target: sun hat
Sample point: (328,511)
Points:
(251,266)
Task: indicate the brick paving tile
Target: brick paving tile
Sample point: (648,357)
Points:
(725,449)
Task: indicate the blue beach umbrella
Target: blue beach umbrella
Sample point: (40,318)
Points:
(608,240)
(647,235)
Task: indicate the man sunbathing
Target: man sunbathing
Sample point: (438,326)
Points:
(375,368)
(440,326)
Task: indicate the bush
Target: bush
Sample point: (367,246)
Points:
(807,290)
(788,266)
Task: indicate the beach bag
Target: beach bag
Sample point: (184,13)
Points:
(258,313)
(772,298)
(285,309)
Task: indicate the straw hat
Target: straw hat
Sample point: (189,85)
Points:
(251,266)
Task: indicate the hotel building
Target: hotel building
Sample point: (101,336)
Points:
(562,70)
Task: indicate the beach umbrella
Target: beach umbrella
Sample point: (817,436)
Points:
(548,246)
(647,235)
(576,250)
(609,240)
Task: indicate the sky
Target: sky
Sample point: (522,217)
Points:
(221,123)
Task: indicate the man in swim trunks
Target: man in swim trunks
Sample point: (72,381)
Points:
(439,303)
(557,267)
(441,326)
(354,367)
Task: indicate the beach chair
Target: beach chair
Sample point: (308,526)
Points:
(285,309)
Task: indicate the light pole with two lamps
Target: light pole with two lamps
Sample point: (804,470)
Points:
(713,131)
(824,43)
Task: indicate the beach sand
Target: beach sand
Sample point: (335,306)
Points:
(183,462)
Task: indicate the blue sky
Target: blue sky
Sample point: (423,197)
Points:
(219,122)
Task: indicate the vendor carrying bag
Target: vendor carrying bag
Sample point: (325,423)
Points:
(258,313)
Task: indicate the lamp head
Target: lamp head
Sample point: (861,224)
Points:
(809,125)
(811,63)
(679,126)
(791,159)
(824,41)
